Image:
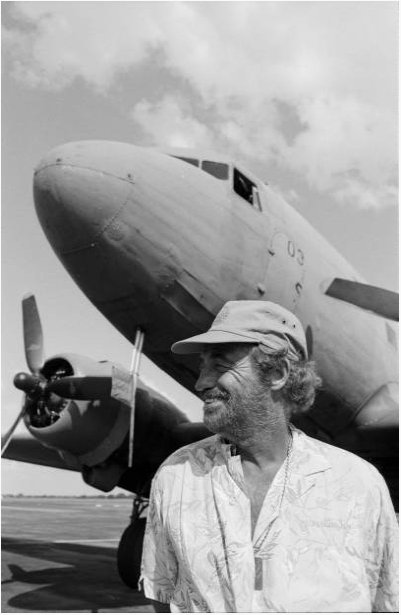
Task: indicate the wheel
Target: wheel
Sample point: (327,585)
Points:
(129,553)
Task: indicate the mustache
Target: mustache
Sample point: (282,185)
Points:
(214,393)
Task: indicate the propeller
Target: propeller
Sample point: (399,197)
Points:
(48,387)
(31,385)
(33,336)
(6,439)
(81,388)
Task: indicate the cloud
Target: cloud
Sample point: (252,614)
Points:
(367,196)
(346,137)
(168,124)
(308,86)
(56,42)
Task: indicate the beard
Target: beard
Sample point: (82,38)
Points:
(219,412)
(237,415)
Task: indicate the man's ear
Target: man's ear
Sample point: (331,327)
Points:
(280,376)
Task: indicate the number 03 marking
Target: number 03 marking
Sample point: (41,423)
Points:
(295,253)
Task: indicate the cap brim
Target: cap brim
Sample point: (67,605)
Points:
(193,345)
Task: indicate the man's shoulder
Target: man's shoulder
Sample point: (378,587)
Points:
(201,453)
(341,461)
(210,445)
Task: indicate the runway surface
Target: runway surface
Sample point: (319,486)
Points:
(59,556)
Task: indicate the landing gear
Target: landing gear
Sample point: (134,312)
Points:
(129,552)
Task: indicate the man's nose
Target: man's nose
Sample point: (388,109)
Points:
(206,380)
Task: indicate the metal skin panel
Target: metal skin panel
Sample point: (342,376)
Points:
(162,245)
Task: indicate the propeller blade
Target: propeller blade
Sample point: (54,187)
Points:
(85,387)
(378,300)
(6,439)
(33,336)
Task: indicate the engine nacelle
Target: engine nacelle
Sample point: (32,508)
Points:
(88,430)
(92,435)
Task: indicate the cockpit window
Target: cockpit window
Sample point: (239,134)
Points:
(193,161)
(217,169)
(246,189)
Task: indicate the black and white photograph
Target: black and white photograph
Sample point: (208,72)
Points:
(200,306)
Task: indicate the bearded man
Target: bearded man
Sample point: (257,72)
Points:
(261,517)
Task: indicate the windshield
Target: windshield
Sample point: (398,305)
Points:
(220,170)
(189,160)
(217,169)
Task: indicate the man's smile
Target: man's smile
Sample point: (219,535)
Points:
(208,403)
(212,398)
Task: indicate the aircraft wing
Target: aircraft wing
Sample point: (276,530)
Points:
(28,449)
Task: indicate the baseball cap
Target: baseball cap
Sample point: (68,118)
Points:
(259,322)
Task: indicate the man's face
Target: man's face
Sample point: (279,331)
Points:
(234,397)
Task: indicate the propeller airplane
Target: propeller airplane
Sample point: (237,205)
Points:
(158,241)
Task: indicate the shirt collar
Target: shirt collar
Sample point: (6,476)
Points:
(307,454)
(229,449)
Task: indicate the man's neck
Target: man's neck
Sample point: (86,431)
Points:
(263,446)
(266,449)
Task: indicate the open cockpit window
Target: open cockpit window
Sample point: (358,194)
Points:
(193,161)
(246,189)
(217,169)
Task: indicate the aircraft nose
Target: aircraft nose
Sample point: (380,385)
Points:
(79,188)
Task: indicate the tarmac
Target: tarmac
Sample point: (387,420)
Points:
(59,556)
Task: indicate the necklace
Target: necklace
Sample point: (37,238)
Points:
(258,544)
(287,467)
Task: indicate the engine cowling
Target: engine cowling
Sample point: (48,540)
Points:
(89,430)
(92,435)
(80,410)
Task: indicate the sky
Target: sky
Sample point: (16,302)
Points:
(303,93)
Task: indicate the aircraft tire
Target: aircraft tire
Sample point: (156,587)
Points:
(129,553)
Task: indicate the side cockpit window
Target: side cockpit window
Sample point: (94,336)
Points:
(217,169)
(246,189)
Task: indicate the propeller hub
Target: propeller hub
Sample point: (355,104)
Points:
(31,385)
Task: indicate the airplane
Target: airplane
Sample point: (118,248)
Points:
(158,241)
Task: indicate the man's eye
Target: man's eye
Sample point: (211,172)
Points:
(221,365)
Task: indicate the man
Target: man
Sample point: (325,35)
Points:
(260,517)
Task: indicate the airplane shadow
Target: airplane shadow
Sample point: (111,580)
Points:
(87,580)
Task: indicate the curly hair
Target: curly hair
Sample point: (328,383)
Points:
(300,389)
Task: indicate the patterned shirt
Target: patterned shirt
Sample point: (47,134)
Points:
(326,542)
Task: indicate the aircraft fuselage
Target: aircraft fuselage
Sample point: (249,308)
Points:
(159,243)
